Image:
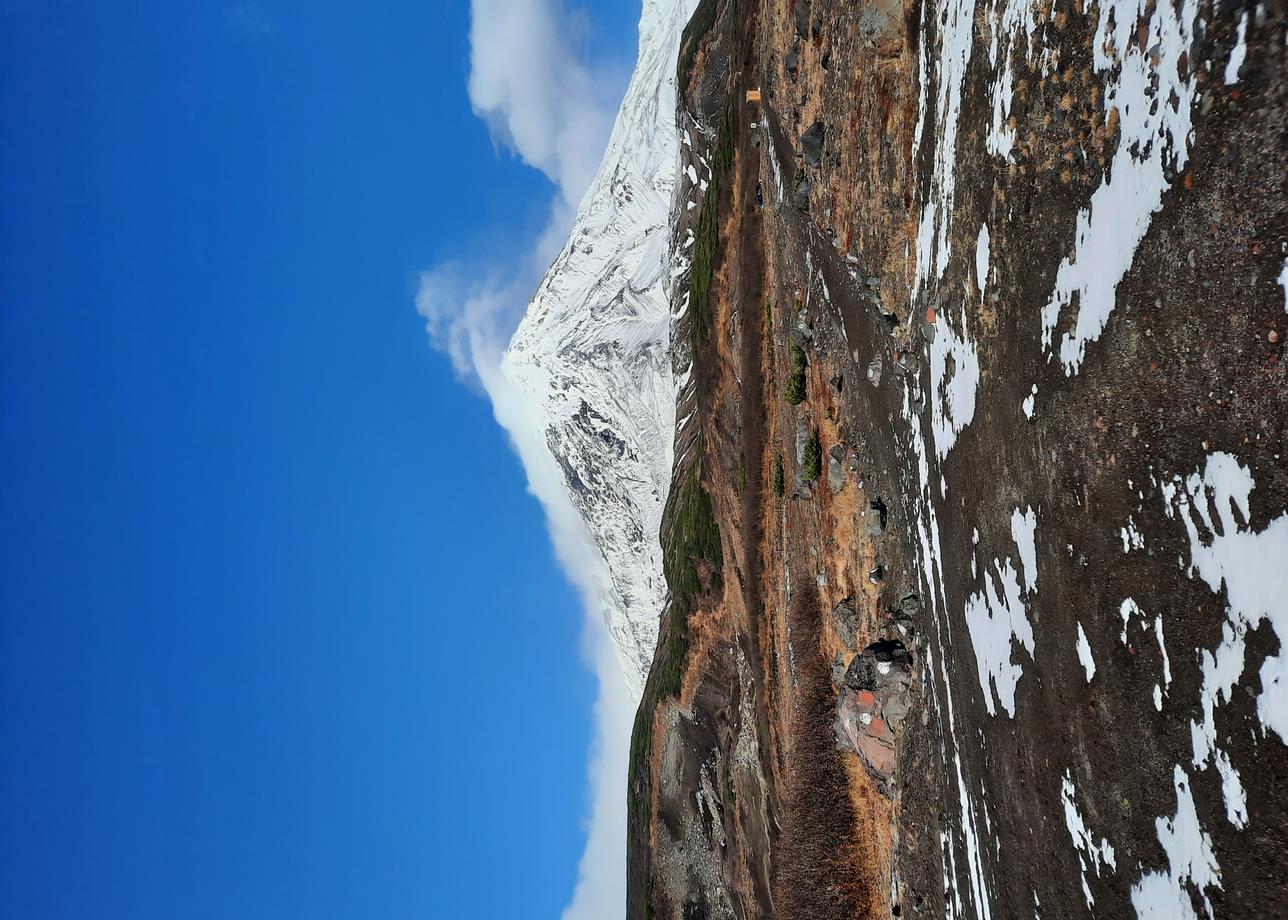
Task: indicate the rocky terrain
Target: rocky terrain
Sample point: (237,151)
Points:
(976,536)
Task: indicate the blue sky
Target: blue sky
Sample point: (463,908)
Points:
(281,628)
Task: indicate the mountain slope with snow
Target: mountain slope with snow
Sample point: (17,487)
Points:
(592,352)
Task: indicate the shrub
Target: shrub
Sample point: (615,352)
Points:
(778,475)
(812,462)
(795,393)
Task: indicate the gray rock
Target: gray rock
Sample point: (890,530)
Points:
(874,370)
(845,620)
(800,197)
(835,471)
(838,670)
(812,144)
(872,704)
(802,18)
(875,518)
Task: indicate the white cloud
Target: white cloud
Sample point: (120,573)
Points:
(541,101)
(536,95)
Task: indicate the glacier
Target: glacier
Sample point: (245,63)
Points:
(591,356)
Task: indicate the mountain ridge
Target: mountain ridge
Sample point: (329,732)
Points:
(592,353)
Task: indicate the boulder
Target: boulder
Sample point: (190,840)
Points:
(836,467)
(873,703)
(874,370)
(812,144)
(845,621)
(875,518)
(800,197)
(802,18)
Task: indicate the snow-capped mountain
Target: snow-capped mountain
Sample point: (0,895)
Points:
(593,353)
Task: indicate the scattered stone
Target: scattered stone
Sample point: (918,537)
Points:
(879,507)
(910,606)
(838,670)
(836,467)
(845,620)
(877,575)
(800,197)
(812,144)
(928,326)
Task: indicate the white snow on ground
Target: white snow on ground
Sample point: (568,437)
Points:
(1283,283)
(955,18)
(1024,525)
(1249,565)
(1153,136)
(981,260)
(1239,53)
(996,619)
(1017,16)
(1132,537)
(1236,800)
(1162,650)
(1083,840)
(1164,894)
(952,401)
(1127,608)
(1167,665)
(1027,404)
(1084,654)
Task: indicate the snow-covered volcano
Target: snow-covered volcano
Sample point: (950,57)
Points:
(592,353)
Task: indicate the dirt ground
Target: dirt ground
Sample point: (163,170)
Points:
(1051,469)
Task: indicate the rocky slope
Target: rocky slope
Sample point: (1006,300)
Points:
(988,415)
(592,352)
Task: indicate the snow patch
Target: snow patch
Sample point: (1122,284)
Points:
(1236,800)
(997,619)
(1164,894)
(1125,610)
(1084,654)
(1154,135)
(1084,841)
(1239,53)
(1024,525)
(955,20)
(981,260)
(952,404)
(1249,566)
